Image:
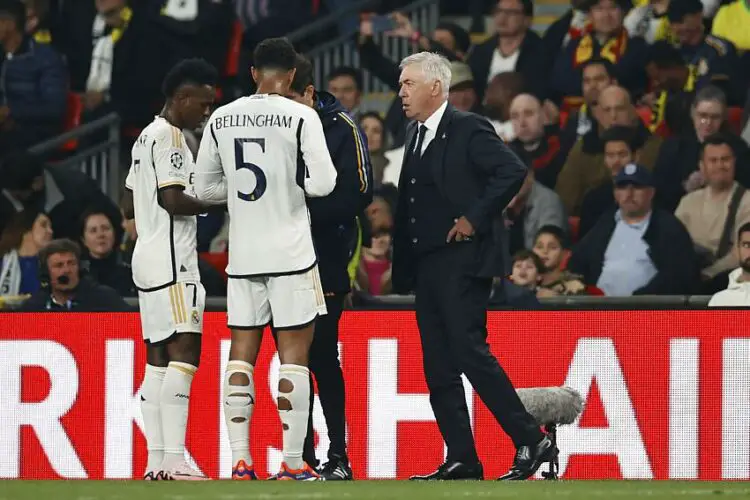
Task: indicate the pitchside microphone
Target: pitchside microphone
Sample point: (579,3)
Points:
(552,405)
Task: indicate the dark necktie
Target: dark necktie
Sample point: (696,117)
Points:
(420,140)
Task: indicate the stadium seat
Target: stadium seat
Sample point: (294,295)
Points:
(217,260)
(73,112)
(593,290)
(574,224)
(734,119)
(231,66)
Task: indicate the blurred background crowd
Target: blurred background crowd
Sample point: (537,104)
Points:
(631,116)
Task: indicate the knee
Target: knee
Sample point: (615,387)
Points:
(185,348)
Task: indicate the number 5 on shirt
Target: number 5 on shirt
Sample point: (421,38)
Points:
(240,163)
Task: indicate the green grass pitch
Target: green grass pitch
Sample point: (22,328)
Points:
(364,490)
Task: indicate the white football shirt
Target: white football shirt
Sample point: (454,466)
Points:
(166,248)
(262,154)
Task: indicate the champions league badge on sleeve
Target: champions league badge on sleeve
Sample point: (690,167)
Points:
(175,160)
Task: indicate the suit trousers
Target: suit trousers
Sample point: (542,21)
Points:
(451,308)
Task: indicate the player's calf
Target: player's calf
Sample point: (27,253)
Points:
(239,402)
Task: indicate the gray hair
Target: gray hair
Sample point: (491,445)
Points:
(434,68)
(711,93)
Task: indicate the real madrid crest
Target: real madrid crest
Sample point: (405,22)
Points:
(195,317)
(175,159)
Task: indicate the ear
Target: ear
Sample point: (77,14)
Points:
(254,73)
(291,74)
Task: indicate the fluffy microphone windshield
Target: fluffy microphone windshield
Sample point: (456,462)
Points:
(552,405)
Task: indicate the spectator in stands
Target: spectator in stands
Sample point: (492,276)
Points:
(537,145)
(551,246)
(37,20)
(737,293)
(519,290)
(100,256)
(608,40)
(515,48)
(648,20)
(345,83)
(449,39)
(585,168)
(731,24)
(569,27)
(130,56)
(711,58)
(20,243)
(676,172)
(374,128)
(64,194)
(636,249)
(501,91)
(374,271)
(619,150)
(597,75)
(533,207)
(462,94)
(32,83)
(64,286)
(711,213)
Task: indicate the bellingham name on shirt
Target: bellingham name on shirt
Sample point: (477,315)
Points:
(252,121)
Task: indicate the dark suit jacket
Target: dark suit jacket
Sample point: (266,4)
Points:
(533,63)
(478,175)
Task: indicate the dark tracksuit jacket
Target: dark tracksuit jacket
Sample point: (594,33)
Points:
(334,225)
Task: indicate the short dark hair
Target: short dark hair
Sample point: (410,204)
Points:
(558,233)
(524,254)
(16,10)
(664,55)
(624,5)
(677,10)
(353,73)
(303,77)
(620,133)
(744,228)
(63,245)
(19,169)
(189,72)
(460,35)
(718,139)
(274,53)
(605,63)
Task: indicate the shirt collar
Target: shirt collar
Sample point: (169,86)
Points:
(434,120)
(636,225)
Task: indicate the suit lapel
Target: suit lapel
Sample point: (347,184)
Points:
(438,146)
(411,129)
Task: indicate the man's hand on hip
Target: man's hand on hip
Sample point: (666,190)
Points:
(461,230)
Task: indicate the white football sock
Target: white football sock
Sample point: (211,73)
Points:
(175,399)
(150,409)
(294,421)
(239,402)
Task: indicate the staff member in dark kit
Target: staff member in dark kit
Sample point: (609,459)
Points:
(334,231)
(456,179)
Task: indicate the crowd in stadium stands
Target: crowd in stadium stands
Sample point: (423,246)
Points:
(629,115)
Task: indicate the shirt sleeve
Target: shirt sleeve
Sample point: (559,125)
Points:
(321,174)
(129,180)
(170,164)
(210,181)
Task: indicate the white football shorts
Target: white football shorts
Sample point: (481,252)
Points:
(290,301)
(175,309)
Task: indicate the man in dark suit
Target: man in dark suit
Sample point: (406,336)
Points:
(456,179)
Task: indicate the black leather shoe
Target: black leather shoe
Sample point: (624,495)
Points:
(452,471)
(529,459)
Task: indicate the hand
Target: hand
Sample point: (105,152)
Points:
(404,29)
(694,181)
(4,113)
(551,113)
(461,230)
(365,28)
(546,292)
(648,99)
(93,99)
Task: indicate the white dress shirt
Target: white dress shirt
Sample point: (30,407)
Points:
(432,124)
